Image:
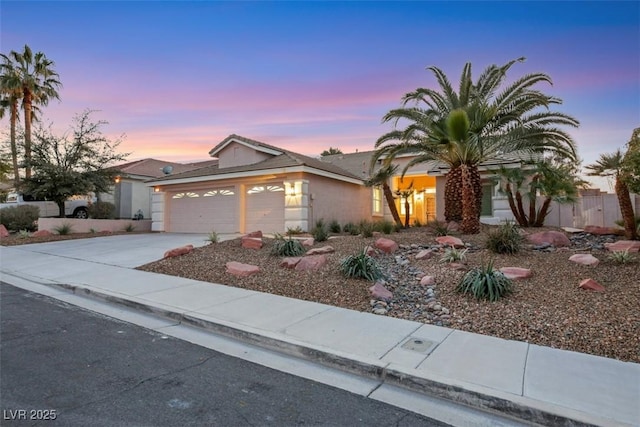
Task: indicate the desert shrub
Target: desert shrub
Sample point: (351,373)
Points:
(454,255)
(294,231)
(287,247)
(366,228)
(24,234)
(23,217)
(351,228)
(334,226)
(485,283)
(102,210)
(362,266)
(384,226)
(417,223)
(129,228)
(620,257)
(63,229)
(212,237)
(506,239)
(320,232)
(438,228)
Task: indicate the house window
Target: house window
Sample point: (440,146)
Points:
(377,200)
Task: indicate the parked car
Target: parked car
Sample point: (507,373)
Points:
(75,207)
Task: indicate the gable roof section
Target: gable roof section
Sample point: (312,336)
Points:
(152,168)
(284,162)
(356,163)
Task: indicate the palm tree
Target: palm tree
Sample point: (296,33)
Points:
(611,165)
(476,124)
(381,177)
(10,93)
(38,82)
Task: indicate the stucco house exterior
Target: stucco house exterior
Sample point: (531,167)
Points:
(257,186)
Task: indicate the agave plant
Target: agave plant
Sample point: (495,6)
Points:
(287,247)
(361,265)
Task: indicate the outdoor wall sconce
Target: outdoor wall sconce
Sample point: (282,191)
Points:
(156,189)
(117,180)
(291,190)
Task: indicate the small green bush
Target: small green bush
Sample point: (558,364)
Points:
(63,229)
(366,228)
(102,210)
(351,228)
(621,257)
(334,226)
(212,237)
(438,228)
(485,283)
(319,232)
(506,239)
(24,234)
(287,247)
(454,255)
(294,231)
(23,217)
(129,228)
(362,266)
(384,226)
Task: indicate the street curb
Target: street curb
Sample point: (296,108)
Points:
(475,396)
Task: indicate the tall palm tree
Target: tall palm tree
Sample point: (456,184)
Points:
(478,123)
(381,177)
(38,81)
(10,94)
(611,165)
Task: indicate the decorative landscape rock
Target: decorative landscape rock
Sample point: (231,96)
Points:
(312,262)
(241,270)
(424,254)
(378,291)
(251,242)
(555,238)
(182,250)
(591,285)
(308,242)
(40,233)
(321,251)
(3,231)
(427,280)
(290,262)
(369,250)
(255,234)
(584,259)
(450,241)
(386,245)
(623,245)
(516,273)
(601,231)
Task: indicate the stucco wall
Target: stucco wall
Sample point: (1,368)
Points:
(86,225)
(344,202)
(236,154)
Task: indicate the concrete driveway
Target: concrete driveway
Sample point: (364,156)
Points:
(126,250)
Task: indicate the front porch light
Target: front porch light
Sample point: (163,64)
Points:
(156,189)
(117,179)
(291,189)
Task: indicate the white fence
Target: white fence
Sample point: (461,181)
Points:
(602,210)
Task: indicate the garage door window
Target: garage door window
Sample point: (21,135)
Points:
(184,195)
(265,188)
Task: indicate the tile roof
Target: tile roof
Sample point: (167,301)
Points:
(153,168)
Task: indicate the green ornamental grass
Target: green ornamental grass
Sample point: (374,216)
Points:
(362,266)
(485,283)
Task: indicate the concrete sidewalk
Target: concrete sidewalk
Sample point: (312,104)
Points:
(538,384)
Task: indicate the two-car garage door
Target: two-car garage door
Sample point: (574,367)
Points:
(216,210)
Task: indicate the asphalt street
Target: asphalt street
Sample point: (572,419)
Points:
(65,366)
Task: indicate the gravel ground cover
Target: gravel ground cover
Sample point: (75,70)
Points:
(547,309)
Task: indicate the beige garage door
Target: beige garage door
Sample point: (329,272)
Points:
(265,208)
(203,211)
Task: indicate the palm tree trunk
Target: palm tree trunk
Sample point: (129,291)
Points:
(514,209)
(407,214)
(453,195)
(14,147)
(388,195)
(470,218)
(542,214)
(27,100)
(626,208)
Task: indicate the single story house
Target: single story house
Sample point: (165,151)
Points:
(131,195)
(257,186)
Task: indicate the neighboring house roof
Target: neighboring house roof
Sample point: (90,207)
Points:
(153,168)
(356,163)
(280,159)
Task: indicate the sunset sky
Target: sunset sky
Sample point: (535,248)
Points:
(178,77)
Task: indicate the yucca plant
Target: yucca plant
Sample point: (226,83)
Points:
(506,239)
(212,237)
(621,257)
(334,226)
(454,255)
(485,283)
(362,266)
(287,247)
(63,229)
(351,228)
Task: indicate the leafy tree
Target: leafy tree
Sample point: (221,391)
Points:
(404,194)
(31,78)
(381,177)
(480,122)
(631,166)
(331,151)
(612,165)
(555,180)
(65,166)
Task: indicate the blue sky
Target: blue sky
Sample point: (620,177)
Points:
(178,77)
